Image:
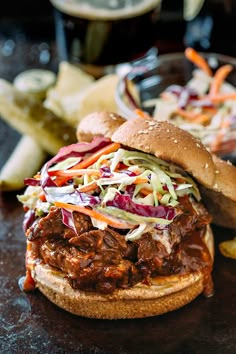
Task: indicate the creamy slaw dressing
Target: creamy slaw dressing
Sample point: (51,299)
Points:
(161,185)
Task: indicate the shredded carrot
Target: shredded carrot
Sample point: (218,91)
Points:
(192,55)
(202,118)
(88,162)
(210,110)
(88,187)
(37,176)
(219,79)
(105,162)
(93,185)
(96,215)
(42,197)
(69,173)
(146,191)
(225,147)
(221,97)
(185,114)
(193,116)
(120,166)
(219,137)
(141,113)
(140,180)
(94,157)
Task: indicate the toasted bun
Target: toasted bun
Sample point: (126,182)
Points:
(137,302)
(165,294)
(216,177)
(169,143)
(221,200)
(98,124)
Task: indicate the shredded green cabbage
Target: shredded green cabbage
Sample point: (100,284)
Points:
(138,219)
(146,179)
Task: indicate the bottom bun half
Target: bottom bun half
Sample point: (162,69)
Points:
(165,294)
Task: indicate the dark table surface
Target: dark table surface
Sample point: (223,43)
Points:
(29,323)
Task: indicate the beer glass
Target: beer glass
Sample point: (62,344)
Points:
(99,34)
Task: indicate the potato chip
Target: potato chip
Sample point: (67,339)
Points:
(100,96)
(71,81)
(77,94)
(228,248)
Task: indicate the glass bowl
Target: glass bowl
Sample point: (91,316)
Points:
(146,81)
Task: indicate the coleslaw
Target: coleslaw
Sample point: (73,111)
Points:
(115,186)
(205,106)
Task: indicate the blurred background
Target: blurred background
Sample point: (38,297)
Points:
(27,26)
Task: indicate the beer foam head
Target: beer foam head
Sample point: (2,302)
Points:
(105,9)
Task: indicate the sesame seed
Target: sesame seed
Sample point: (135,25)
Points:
(198,145)
(206,165)
(152,124)
(175,141)
(215,186)
(217,171)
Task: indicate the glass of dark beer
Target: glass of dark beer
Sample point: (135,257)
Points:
(99,34)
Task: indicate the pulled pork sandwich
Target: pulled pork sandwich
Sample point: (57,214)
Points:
(116,228)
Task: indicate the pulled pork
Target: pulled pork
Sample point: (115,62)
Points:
(102,260)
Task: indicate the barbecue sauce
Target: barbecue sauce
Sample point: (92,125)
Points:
(189,254)
(199,257)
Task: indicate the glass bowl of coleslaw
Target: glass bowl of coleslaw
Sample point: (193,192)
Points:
(195,91)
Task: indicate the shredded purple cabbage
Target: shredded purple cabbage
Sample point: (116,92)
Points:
(106,172)
(129,173)
(80,149)
(202,103)
(73,150)
(29,219)
(128,93)
(76,198)
(32,182)
(130,190)
(68,219)
(124,202)
(84,199)
(184,94)
(165,187)
(46,180)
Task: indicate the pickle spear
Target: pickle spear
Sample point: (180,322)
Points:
(28,115)
(25,160)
